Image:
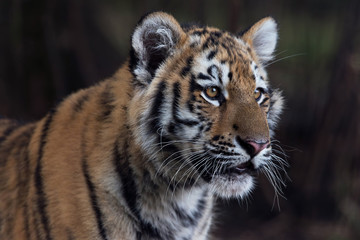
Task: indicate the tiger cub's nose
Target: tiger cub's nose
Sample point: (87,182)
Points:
(253,147)
(257,147)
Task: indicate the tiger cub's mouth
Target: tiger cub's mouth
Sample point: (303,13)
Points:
(229,168)
(231,165)
(246,167)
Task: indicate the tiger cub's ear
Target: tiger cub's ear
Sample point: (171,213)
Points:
(262,37)
(154,39)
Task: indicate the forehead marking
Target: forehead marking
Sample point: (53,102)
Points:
(203,76)
(212,54)
(212,73)
(215,72)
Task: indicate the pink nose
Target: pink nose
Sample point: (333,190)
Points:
(257,146)
(251,146)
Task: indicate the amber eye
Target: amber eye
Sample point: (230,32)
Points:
(212,92)
(257,94)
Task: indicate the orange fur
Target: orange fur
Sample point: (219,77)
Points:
(58,176)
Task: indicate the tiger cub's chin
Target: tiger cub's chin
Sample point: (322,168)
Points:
(237,186)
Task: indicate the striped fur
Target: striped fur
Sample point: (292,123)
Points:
(143,155)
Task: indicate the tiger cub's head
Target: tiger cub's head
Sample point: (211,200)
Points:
(204,110)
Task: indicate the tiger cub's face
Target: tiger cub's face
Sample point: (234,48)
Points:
(205,112)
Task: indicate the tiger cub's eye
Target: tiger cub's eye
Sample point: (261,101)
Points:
(257,94)
(212,92)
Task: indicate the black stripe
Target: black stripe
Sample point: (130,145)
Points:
(8,132)
(203,76)
(36,223)
(187,122)
(191,219)
(187,68)
(171,128)
(191,105)
(152,232)
(212,40)
(129,190)
(265,100)
(200,32)
(216,34)
(226,144)
(211,55)
(185,71)
(230,76)
(223,153)
(214,69)
(230,54)
(42,201)
(194,86)
(220,79)
(154,122)
(247,147)
(210,70)
(199,134)
(167,146)
(106,103)
(21,141)
(207,43)
(126,176)
(94,200)
(91,187)
(208,127)
(201,206)
(79,105)
(175,107)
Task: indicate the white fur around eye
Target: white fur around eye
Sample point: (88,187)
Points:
(213,102)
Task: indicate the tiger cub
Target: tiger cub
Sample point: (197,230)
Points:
(142,155)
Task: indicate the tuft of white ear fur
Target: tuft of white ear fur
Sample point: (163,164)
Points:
(263,36)
(153,41)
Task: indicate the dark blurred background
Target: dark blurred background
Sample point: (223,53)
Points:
(50,48)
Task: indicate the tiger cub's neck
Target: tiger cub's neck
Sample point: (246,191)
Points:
(163,210)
